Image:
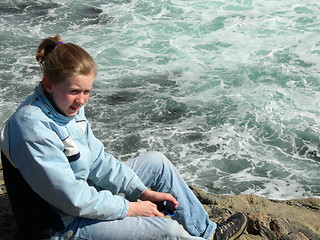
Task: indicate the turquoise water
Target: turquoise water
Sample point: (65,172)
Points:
(228,90)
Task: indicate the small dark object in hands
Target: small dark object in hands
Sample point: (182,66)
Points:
(166,207)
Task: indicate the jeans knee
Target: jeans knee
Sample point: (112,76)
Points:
(156,156)
(154,169)
(157,159)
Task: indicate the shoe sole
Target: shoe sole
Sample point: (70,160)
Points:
(241,229)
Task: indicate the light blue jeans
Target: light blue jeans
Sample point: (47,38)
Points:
(190,221)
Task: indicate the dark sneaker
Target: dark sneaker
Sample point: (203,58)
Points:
(231,228)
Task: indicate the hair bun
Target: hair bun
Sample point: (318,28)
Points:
(46,46)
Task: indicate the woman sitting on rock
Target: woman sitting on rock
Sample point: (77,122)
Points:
(63,185)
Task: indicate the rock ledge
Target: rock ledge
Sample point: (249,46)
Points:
(297,219)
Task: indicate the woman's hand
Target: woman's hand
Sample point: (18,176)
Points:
(158,196)
(144,209)
(147,207)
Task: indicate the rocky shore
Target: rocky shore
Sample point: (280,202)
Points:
(297,219)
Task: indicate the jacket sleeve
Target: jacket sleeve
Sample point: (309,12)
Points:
(37,151)
(109,173)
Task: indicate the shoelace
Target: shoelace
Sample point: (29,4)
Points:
(227,226)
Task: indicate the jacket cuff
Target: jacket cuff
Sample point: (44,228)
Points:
(136,193)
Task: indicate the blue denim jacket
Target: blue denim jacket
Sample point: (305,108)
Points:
(63,162)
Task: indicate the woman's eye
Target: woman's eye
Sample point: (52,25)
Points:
(75,92)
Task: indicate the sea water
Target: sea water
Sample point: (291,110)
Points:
(228,90)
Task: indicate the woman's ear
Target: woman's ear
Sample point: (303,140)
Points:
(47,84)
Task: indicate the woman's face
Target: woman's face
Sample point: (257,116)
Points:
(70,95)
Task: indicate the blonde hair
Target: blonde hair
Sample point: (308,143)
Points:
(60,61)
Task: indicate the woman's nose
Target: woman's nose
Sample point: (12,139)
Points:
(81,99)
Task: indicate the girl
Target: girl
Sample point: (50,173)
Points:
(63,185)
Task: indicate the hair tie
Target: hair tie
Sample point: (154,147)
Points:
(57,43)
